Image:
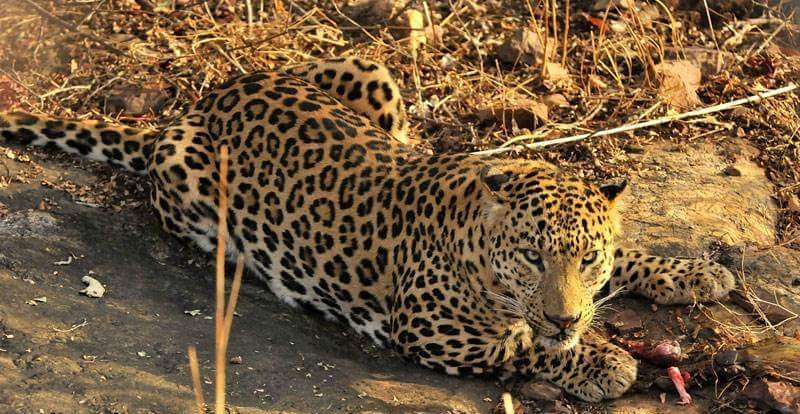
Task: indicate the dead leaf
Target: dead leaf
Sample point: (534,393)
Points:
(678,82)
(594,21)
(556,73)
(136,99)
(528,115)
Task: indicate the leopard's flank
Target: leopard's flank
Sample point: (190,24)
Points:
(461,264)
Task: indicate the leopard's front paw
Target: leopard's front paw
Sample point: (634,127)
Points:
(702,281)
(608,373)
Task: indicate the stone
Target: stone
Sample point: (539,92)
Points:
(526,47)
(769,274)
(779,355)
(649,404)
(710,60)
(764,302)
(369,12)
(514,111)
(625,322)
(732,171)
(725,358)
(136,99)
(774,396)
(678,204)
(556,100)
(540,391)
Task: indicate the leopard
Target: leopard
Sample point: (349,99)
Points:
(464,264)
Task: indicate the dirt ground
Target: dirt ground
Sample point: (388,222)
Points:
(64,352)
(126,352)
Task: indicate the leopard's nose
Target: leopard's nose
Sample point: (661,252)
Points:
(563,321)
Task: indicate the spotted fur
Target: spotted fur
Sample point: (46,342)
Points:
(461,264)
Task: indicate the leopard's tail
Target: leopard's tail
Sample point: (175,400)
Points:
(122,146)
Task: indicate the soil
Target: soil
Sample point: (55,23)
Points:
(126,352)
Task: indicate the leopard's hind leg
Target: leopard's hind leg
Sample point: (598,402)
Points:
(366,87)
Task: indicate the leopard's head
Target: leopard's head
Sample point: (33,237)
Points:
(552,246)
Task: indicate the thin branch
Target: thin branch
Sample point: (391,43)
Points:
(219,316)
(630,127)
(194,369)
(508,404)
(234,295)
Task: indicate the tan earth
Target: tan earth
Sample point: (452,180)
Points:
(126,352)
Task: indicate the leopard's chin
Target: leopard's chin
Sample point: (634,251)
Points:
(559,342)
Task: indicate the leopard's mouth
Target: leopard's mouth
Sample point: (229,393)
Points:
(562,340)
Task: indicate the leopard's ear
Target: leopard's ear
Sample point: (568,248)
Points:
(493,179)
(612,190)
(494,202)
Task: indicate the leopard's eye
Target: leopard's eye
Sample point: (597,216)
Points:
(589,258)
(532,256)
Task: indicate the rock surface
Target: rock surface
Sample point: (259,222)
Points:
(680,202)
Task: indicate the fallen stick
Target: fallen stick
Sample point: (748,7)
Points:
(219,314)
(508,404)
(630,127)
(194,369)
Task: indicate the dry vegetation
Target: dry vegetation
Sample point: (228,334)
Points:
(140,61)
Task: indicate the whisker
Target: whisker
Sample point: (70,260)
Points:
(608,297)
(513,312)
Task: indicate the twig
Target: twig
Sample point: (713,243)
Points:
(711,26)
(508,405)
(219,316)
(237,283)
(74,327)
(566,35)
(229,57)
(194,369)
(763,44)
(249,15)
(61,22)
(630,127)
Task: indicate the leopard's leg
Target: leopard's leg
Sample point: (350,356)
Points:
(670,280)
(366,87)
(184,181)
(470,335)
(592,370)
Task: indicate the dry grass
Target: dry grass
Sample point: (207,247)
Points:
(223,315)
(74,67)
